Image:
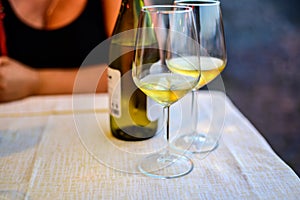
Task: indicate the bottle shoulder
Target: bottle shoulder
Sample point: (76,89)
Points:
(128,15)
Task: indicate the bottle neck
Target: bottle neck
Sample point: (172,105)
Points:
(128,15)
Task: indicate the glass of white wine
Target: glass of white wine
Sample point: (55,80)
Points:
(213,59)
(168,32)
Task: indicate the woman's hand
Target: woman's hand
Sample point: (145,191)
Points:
(16,80)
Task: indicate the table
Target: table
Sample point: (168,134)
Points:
(49,149)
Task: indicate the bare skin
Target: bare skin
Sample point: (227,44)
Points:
(19,81)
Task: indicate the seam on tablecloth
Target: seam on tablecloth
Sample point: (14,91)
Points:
(50,103)
(35,163)
(52,112)
(238,167)
(232,111)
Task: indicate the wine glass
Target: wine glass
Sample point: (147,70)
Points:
(161,38)
(213,59)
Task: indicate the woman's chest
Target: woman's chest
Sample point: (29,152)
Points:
(47,14)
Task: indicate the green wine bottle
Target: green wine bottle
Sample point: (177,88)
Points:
(128,105)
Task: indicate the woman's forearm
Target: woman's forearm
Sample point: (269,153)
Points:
(66,81)
(19,81)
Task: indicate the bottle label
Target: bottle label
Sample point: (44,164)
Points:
(114,91)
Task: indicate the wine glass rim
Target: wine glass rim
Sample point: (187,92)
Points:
(197,2)
(156,9)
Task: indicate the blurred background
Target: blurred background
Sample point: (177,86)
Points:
(262,77)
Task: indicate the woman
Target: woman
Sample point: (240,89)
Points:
(46,42)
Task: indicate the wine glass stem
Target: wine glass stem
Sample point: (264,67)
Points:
(167,155)
(194,111)
(167,121)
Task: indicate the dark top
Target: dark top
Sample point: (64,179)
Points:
(64,47)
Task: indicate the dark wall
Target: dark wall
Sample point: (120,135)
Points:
(263,72)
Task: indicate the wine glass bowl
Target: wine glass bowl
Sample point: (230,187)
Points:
(163,39)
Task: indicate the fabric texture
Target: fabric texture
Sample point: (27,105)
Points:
(50,148)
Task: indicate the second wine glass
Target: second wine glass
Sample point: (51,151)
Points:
(213,59)
(166,34)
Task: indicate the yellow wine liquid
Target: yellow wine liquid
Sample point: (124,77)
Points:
(211,67)
(166,88)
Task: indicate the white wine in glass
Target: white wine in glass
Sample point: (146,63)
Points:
(213,59)
(163,25)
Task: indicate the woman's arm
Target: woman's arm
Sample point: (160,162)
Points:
(87,79)
(18,80)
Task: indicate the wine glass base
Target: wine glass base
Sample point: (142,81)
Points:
(166,165)
(195,143)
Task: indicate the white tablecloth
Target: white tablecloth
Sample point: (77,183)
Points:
(51,148)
